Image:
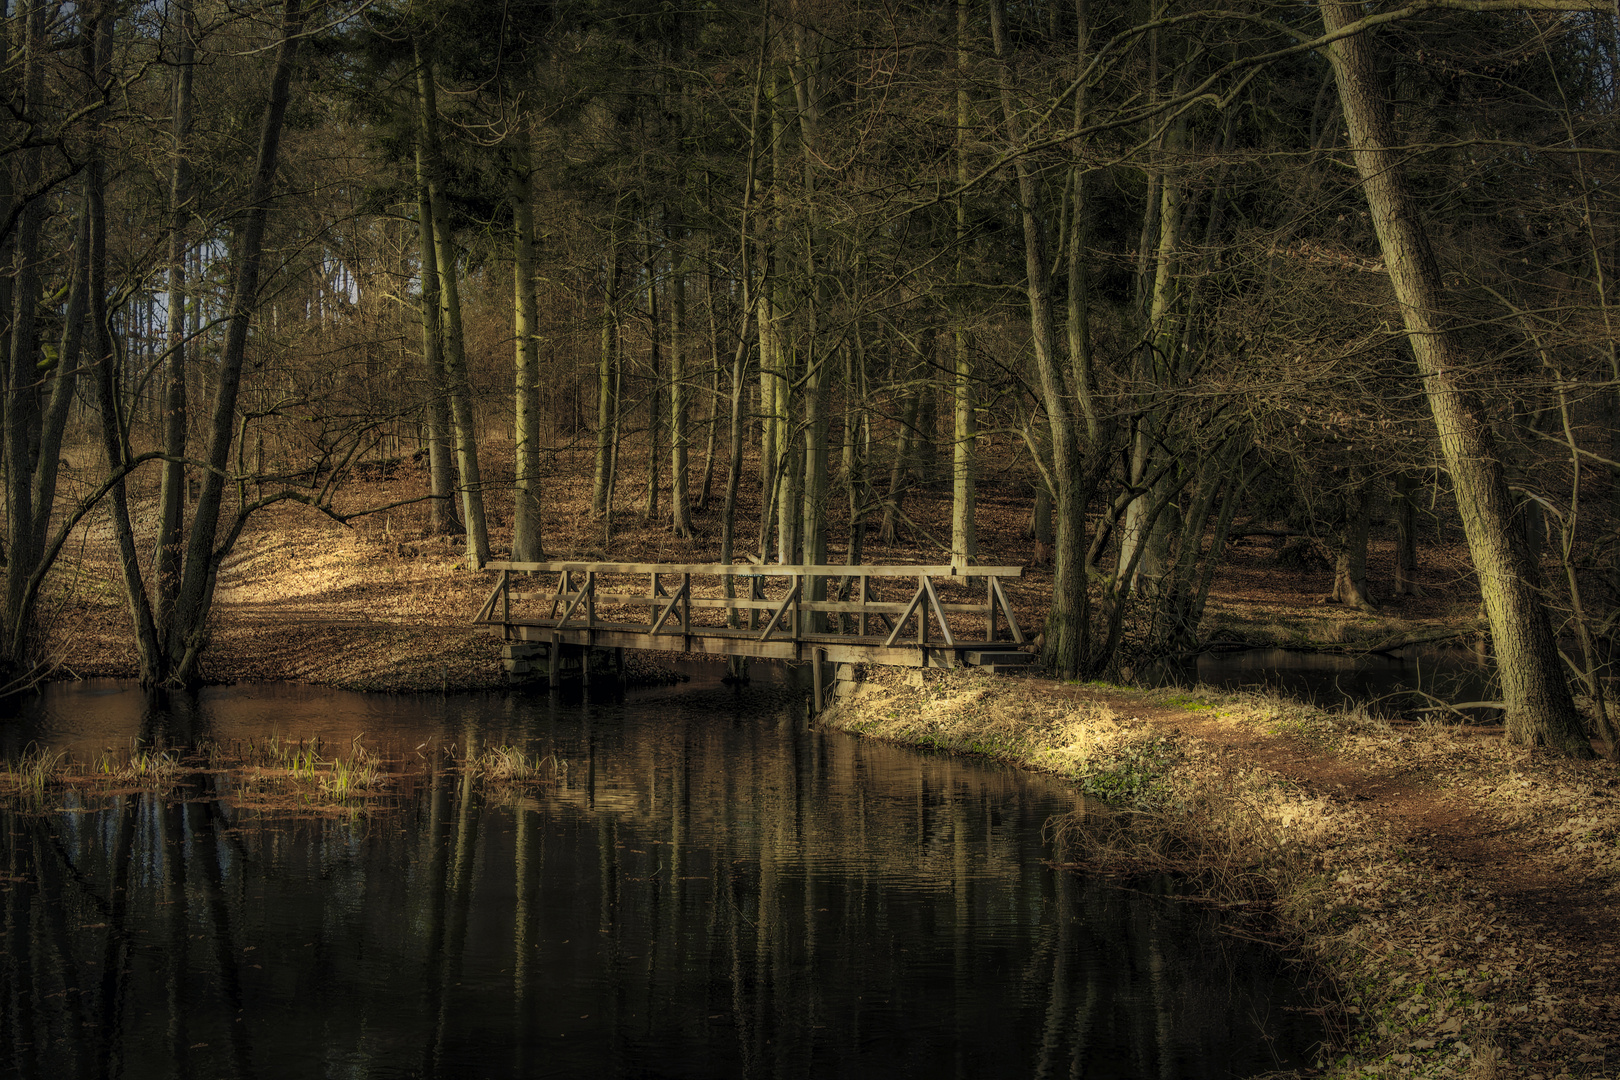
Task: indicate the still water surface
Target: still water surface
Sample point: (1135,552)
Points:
(1387,684)
(713,889)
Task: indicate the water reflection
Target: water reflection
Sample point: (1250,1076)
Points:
(711,890)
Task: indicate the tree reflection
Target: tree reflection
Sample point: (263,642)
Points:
(702,893)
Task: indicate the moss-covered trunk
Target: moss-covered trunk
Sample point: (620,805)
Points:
(1540,711)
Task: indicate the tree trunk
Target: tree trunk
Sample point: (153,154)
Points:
(769,449)
(188,633)
(527,543)
(1350,549)
(813,528)
(1155,367)
(462,415)
(441,470)
(1406,560)
(21,405)
(1540,710)
(1040,524)
(899,474)
(1067,623)
(857,446)
(607,382)
(172,486)
(655,394)
(712,423)
(680,509)
(964,532)
(813,494)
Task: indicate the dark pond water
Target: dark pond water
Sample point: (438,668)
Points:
(713,889)
(1384,683)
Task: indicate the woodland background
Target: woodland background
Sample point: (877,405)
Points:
(1168,273)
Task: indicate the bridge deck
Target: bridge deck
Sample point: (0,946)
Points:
(773,612)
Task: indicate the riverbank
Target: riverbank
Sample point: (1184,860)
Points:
(1454,895)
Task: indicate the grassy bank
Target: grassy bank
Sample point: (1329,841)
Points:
(1357,839)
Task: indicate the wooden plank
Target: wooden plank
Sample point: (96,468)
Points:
(636,637)
(746,570)
(933,601)
(720,603)
(900,623)
(1012,620)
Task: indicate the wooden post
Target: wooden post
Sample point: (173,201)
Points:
(862,616)
(815,677)
(555,676)
(590,601)
(798,611)
(990,609)
(506,605)
(922,621)
(686,609)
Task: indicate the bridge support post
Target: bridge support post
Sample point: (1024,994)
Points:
(816,677)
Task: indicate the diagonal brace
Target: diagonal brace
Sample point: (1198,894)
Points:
(776,616)
(900,623)
(939,613)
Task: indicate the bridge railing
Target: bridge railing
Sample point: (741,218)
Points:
(771,602)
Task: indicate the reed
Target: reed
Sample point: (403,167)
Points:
(31,776)
(509,765)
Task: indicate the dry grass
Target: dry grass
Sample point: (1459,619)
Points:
(509,765)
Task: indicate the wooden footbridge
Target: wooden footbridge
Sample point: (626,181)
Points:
(559,613)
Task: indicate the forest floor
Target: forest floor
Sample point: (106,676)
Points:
(1457,894)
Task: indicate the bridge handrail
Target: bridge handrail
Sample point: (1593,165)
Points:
(758,570)
(787,613)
